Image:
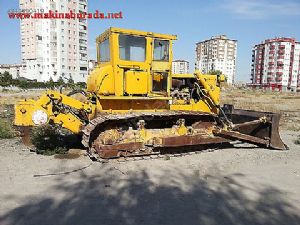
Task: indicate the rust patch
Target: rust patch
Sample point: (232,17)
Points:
(117,150)
(187,140)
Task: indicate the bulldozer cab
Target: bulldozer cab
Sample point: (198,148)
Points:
(134,63)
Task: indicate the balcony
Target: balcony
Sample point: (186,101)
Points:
(82,7)
(281,52)
(279,73)
(82,27)
(81,34)
(82,20)
(280,57)
(271,52)
(281,46)
(272,47)
(280,63)
(271,63)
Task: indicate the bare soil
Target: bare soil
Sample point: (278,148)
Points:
(287,104)
(241,185)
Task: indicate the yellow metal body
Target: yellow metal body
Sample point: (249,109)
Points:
(122,84)
(25,109)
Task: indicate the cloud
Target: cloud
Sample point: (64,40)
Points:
(261,9)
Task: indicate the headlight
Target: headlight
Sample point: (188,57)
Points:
(39,117)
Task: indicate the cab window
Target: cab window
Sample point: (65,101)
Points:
(132,48)
(104,51)
(161,50)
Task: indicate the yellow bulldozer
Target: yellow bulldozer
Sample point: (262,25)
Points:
(135,106)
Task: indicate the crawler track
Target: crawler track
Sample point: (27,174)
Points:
(153,120)
(167,156)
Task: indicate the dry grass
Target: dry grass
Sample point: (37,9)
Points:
(6,129)
(12,97)
(287,104)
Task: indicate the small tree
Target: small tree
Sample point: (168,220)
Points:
(81,85)
(23,84)
(70,81)
(60,81)
(50,83)
(215,72)
(6,79)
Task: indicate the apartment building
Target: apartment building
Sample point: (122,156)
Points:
(12,69)
(180,67)
(217,53)
(276,64)
(54,48)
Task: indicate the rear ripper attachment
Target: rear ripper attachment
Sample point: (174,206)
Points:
(141,134)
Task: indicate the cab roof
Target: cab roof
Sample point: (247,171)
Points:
(111,30)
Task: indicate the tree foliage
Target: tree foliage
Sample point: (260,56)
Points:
(6,80)
(215,72)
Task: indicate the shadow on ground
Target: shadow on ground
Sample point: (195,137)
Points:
(170,199)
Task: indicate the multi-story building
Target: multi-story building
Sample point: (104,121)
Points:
(12,69)
(53,48)
(276,64)
(180,67)
(217,53)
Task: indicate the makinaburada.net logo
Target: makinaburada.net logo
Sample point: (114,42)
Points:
(65,15)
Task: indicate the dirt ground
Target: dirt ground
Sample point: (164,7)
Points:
(246,185)
(287,104)
(242,185)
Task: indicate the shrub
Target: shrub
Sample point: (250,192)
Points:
(6,130)
(48,140)
(297,142)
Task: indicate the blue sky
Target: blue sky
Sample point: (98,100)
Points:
(248,21)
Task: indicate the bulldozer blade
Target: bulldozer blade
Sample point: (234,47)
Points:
(256,127)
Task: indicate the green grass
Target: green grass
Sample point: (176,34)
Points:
(6,129)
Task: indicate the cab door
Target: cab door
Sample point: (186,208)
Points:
(161,67)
